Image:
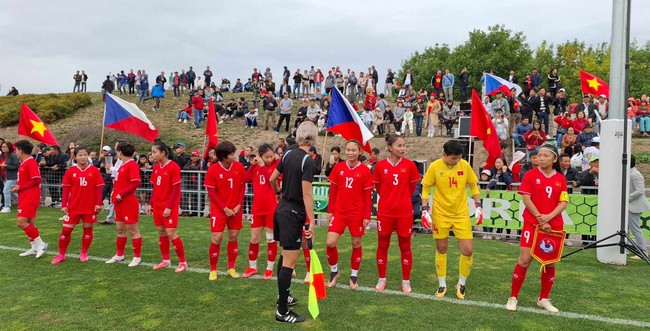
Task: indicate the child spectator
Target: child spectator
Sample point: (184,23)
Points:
(367,116)
(408,122)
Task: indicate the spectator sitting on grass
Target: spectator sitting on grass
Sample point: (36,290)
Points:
(313,111)
(243,107)
(231,108)
(302,114)
(239,87)
(13,92)
(250,118)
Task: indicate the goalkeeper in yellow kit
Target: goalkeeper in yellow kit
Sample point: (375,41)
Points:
(450,176)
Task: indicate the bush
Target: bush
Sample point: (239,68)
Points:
(643,157)
(49,107)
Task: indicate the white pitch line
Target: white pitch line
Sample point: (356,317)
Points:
(596,318)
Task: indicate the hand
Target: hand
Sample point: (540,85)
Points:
(365,223)
(65,210)
(98,208)
(118,198)
(228,212)
(487,192)
(14,189)
(254,161)
(504,169)
(309,232)
(329,218)
(574,184)
(167,212)
(236,209)
(483,165)
(479,212)
(3,165)
(544,219)
(546,228)
(55,168)
(149,210)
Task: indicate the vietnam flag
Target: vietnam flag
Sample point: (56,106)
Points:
(593,85)
(30,125)
(211,129)
(481,126)
(316,283)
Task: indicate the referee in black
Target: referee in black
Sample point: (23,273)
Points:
(294,213)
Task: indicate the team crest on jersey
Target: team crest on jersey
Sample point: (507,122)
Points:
(403,170)
(547,245)
(537,181)
(442,174)
(358,175)
(385,171)
(220,176)
(460,173)
(341,173)
(558,184)
(74,175)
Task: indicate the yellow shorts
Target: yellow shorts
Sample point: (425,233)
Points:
(461,226)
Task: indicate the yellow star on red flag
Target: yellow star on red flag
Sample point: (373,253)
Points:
(38,127)
(593,83)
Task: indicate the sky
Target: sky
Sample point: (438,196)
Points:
(43,43)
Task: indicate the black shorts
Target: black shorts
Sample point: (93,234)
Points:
(288,223)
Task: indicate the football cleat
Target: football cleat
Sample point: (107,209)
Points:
(232,273)
(115,259)
(58,259)
(381,285)
(512,304)
(83,257)
(441,292)
(162,265)
(268,274)
(546,304)
(406,286)
(249,272)
(181,267)
(334,275)
(213,275)
(354,282)
(40,250)
(289,317)
(460,291)
(135,262)
(31,251)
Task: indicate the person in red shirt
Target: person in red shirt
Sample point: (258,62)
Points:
(197,108)
(264,203)
(164,204)
(225,182)
(350,205)
(544,193)
(395,180)
(126,205)
(29,197)
(80,183)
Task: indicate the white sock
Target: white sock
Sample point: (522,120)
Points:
(253,264)
(37,242)
(334,268)
(442,282)
(354,273)
(406,282)
(383,280)
(269,265)
(462,280)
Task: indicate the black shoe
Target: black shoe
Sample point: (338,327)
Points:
(289,317)
(291,301)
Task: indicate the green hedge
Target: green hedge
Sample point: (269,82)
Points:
(49,107)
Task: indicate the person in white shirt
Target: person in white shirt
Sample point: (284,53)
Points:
(501,125)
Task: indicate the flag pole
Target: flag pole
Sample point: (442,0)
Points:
(101,140)
(323,151)
(203,149)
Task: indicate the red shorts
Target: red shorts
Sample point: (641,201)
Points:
(528,232)
(170,222)
(74,219)
(218,222)
(338,224)
(127,211)
(259,221)
(403,225)
(27,208)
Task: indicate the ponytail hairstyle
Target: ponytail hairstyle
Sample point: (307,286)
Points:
(390,140)
(558,159)
(163,148)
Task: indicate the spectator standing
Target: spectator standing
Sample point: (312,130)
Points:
(448,85)
(352,87)
(84,80)
(500,104)
(77,82)
(388,84)
(436,82)
(553,82)
(122,81)
(161,79)
(463,79)
(131,80)
(330,81)
(207,76)
(9,163)
(270,105)
(191,76)
(543,104)
(409,79)
(197,109)
(512,77)
(432,115)
(536,79)
(285,113)
(335,157)
(638,204)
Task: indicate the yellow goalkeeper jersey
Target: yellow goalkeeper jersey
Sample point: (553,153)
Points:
(450,188)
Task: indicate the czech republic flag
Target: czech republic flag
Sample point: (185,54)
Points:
(125,116)
(344,120)
(494,84)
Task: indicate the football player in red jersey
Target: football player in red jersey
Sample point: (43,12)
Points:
(350,205)
(81,201)
(127,207)
(544,193)
(264,203)
(29,197)
(164,204)
(225,184)
(395,179)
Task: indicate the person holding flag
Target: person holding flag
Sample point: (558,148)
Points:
(544,193)
(350,205)
(395,179)
(483,128)
(450,176)
(294,214)
(29,196)
(81,201)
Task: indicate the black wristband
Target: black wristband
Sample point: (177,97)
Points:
(477,204)
(425,208)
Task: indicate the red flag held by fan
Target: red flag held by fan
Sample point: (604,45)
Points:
(481,127)
(211,129)
(593,85)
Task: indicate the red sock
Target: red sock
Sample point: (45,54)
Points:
(307,255)
(163,244)
(179,248)
(137,246)
(232,254)
(407,256)
(332,255)
(31,232)
(64,239)
(86,240)
(253,251)
(518,277)
(382,255)
(548,278)
(214,256)
(121,244)
(273,251)
(355,258)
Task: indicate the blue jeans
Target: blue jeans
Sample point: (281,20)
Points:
(318,85)
(418,125)
(251,122)
(9,184)
(644,124)
(296,90)
(558,139)
(519,140)
(183,115)
(198,117)
(543,118)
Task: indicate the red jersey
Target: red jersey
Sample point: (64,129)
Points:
(545,192)
(229,184)
(127,173)
(163,178)
(27,171)
(83,184)
(351,189)
(264,201)
(393,183)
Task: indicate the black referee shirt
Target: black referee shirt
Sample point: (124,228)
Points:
(296,166)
